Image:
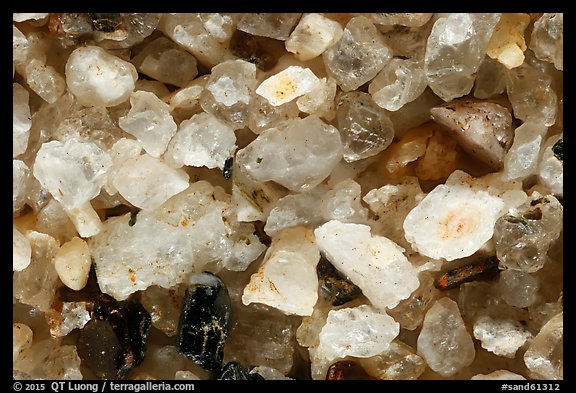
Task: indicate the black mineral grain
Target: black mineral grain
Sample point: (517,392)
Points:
(205,322)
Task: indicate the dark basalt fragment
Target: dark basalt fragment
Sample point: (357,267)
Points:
(234,371)
(334,286)
(479,270)
(114,341)
(558,149)
(205,322)
(346,370)
(99,348)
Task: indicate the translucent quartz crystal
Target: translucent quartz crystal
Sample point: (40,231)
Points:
(343,203)
(98,78)
(188,31)
(185,375)
(273,25)
(406,42)
(507,44)
(358,331)
(452,222)
(521,160)
(21,339)
(23,16)
(147,182)
(312,36)
(523,236)
(195,222)
(518,288)
(21,250)
(443,341)
(358,56)
(253,200)
(262,336)
(365,128)
(410,312)
(287,85)
(168,357)
(21,119)
(269,373)
(502,337)
(399,82)
(63,364)
(73,172)
(150,121)
(203,140)
(36,361)
(550,168)
(185,102)
(545,355)
(44,80)
(165,61)
(403,19)
(54,221)
(164,306)
(37,284)
(72,263)
(398,362)
(541,313)
(439,159)
(74,315)
(263,115)
(482,129)
(228,91)
(509,191)
(481,298)
(20,46)
(490,79)
(497,375)
(547,39)
(391,203)
(531,94)
(20,184)
(93,124)
(158,88)
(309,147)
(296,209)
(220,26)
(454,51)
(276,284)
(409,148)
(374,263)
(320,101)
(120,152)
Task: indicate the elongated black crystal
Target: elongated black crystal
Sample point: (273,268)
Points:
(558,149)
(205,322)
(234,371)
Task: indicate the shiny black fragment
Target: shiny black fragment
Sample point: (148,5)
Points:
(113,342)
(234,371)
(227,170)
(558,149)
(335,287)
(133,215)
(205,322)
